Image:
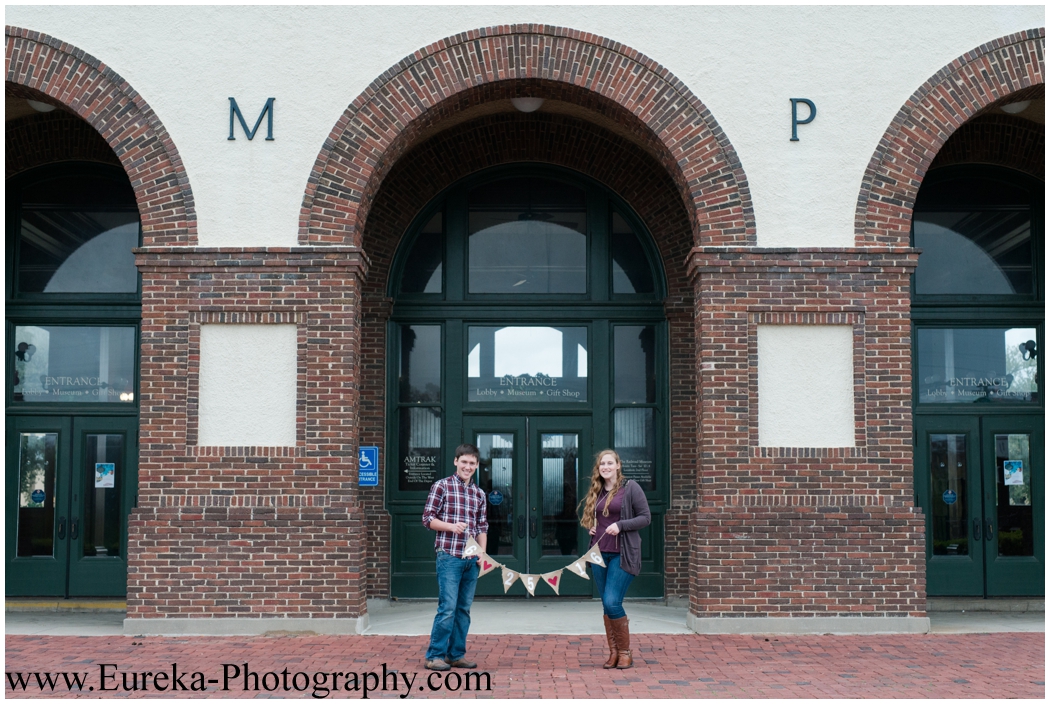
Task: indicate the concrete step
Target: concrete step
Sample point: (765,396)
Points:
(996,604)
(96,605)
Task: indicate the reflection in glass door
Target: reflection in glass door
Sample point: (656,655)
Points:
(530,472)
(69,490)
(982,488)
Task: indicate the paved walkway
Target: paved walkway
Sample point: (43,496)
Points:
(540,649)
(995,665)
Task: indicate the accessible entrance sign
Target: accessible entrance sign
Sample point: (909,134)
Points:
(368,466)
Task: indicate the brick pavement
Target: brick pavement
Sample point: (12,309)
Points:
(995,665)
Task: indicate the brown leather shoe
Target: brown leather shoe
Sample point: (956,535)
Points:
(623,643)
(437,664)
(610,636)
(462,662)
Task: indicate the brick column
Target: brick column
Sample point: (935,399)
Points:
(797,539)
(243,540)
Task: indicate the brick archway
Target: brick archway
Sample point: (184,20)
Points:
(45,68)
(456,73)
(1000,71)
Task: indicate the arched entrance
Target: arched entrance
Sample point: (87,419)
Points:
(72,314)
(977,307)
(528,319)
(91,174)
(668,160)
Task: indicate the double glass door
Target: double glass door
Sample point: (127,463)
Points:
(534,470)
(70,487)
(980,481)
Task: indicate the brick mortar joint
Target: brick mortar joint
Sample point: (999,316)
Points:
(744,259)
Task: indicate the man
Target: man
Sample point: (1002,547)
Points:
(456,510)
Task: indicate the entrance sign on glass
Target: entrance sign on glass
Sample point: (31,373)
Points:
(527,364)
(62,364)
(977,365)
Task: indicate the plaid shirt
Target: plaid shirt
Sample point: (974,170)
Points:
(452,501)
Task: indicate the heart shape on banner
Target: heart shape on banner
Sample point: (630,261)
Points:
(486,565)
(553,581)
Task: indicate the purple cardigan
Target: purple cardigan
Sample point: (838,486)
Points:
(634,515)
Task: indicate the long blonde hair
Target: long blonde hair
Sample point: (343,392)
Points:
(589,502)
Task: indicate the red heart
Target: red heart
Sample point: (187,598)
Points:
(552,580)
(486,565)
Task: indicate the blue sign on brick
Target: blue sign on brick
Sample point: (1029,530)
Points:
(368,466)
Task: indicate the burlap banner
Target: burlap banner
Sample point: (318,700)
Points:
(487,564)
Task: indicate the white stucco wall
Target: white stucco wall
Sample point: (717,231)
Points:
(247,385)
(858,64)
(805,386)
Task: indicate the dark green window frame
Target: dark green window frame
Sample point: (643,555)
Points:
(972,311)
(455,309)
(65,309)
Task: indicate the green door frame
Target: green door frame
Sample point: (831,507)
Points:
(455,310)
(984,572)
(524,517)
(67,572)
(1013,575)
(73,420)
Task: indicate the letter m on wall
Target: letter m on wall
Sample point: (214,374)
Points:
(267,112)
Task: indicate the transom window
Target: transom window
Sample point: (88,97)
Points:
(528,235)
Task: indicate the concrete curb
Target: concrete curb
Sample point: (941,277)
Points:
(244,626)
(815,625)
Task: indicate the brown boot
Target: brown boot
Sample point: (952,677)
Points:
(610,635)
(623,643)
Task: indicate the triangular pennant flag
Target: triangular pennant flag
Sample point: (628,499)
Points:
(594,556)
(579,568)
(553,580)
(508,578)
(472,548)
(530,581)
(486,564)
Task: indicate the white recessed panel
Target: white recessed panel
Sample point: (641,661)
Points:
(805,386)
(247,385)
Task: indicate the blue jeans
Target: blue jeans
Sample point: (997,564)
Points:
(457,578)
(612,584)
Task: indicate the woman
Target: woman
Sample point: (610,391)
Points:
(614,510)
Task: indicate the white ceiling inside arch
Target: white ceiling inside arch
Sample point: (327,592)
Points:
(857,64)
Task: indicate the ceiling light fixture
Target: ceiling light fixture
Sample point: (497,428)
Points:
(39,106)
(527,104)
(1014,108)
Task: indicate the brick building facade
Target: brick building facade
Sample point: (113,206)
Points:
(237,538)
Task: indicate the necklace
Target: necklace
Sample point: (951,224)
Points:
(608,500)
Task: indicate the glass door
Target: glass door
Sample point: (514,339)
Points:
(980,483)
(1014,504)
(38,462)
(532,470)
(949,490)
(70,487)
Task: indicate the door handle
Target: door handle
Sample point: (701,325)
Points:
(62,528)
(988,535)
(532,527)
(521,526)
(74,529)
(977,529)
